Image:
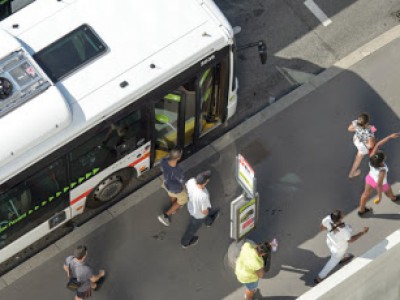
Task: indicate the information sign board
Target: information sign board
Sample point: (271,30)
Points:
(244,216)
(245,175)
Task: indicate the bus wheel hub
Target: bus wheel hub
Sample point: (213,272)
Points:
(108,189)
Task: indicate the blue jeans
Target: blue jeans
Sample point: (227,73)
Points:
(251,286)
(195,224)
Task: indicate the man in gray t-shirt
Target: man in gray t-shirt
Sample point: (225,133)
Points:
(76,267)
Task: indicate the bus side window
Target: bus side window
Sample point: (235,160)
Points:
(32,201)
(104,148)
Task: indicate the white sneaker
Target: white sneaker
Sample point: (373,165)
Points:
(164,220)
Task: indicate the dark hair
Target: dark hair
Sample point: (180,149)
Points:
(175,153)
(336,218)
(80,252)
(203,177)
(377,159)
(263,248)
(363,119)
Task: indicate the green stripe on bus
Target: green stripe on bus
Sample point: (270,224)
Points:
(50,199)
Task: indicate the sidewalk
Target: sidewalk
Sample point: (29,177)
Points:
(301,152)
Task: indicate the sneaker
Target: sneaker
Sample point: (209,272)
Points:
(164,219)
(366,211)
(193,242)
(347,258)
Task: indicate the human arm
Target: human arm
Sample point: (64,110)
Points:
(205,211)
(370,142)
(96,278)
(66,269)
(205,204)
(358,235)
(260,273)
(352,126)
(383,141)
(326,224)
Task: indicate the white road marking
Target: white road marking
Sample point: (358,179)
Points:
(318,13)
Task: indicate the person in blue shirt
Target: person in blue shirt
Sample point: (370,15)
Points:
(173,183)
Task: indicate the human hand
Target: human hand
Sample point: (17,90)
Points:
(395,135)
(102,273)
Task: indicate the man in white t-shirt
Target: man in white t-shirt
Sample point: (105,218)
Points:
(338,239)
(199,208)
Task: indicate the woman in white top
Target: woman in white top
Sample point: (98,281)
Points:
(363,139)
(338,239)
(377,177)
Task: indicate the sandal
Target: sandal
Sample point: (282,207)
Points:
(366,210)
(397,198)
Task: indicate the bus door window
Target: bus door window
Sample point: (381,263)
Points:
(32,201)
(167,113)
(189,89)
(109,144)
(212,87)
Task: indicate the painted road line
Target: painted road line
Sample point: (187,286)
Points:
(318,13)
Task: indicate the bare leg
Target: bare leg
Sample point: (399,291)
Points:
(172,199)
(364,197)
(354,169)
(174,207)
(389,194)
(249,294)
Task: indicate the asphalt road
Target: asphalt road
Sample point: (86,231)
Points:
(299,46)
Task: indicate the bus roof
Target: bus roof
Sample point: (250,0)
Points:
(169,35)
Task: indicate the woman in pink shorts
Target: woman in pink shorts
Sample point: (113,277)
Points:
(377,177)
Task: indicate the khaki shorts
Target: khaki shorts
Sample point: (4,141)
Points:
(182,197)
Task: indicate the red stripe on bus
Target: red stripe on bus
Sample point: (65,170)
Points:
(143,157)
(73,201)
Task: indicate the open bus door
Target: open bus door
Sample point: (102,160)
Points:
(185,115)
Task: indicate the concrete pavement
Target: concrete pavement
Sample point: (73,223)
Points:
(301,153)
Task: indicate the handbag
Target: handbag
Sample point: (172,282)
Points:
(267,261)
(73,284)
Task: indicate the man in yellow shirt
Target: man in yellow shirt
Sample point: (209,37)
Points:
(250,266)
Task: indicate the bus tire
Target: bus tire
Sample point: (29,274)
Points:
(109,189)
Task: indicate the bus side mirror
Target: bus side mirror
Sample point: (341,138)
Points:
(262,49)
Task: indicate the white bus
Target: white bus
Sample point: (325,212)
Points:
(95,92)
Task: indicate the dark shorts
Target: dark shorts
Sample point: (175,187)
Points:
(84,295)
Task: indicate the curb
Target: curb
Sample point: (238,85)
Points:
(210,150)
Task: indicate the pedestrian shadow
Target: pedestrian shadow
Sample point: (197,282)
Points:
(259,296)
(383,216)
